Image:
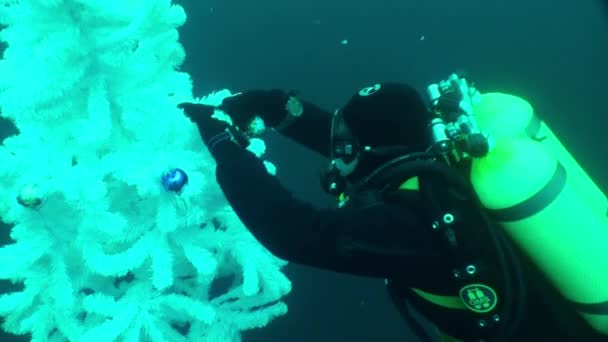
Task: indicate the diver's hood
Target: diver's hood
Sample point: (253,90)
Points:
(391,119)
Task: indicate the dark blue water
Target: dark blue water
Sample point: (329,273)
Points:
(553,53)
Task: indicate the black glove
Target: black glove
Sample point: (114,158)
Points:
(270,105)
(214,132)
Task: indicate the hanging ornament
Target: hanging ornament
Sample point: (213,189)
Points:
(30,196)
(174,180)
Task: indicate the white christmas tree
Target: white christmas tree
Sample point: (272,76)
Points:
(120,231)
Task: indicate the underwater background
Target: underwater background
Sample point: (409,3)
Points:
(553,53)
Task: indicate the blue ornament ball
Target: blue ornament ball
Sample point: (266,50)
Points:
(174,180)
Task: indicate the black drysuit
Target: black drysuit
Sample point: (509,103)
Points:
(388,240)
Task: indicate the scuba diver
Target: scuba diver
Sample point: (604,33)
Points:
(408,211)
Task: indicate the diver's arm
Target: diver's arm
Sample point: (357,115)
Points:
(311,128)
(381,241)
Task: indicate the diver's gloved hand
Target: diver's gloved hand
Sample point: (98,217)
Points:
(276,107)
(219,136)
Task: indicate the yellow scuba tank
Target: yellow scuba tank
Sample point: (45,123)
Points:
(508,116)
(545,202)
